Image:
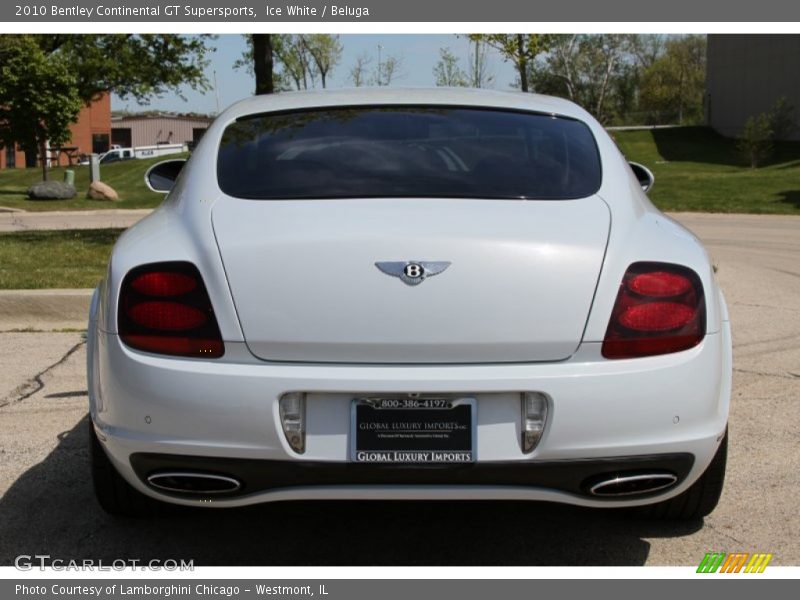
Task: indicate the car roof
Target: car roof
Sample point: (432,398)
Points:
(363,96)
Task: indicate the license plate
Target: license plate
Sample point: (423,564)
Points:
(413,430)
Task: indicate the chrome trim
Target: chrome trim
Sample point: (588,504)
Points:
(152,480)
(423,269)
(668,477)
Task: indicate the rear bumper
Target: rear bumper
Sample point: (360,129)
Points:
(153,412)
(257,477)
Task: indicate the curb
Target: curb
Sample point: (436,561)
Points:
(44,309)
(113,218)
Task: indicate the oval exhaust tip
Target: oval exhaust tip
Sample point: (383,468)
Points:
(631,485)
(187,482)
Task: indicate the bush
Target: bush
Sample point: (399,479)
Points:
(755,143)
(784,122)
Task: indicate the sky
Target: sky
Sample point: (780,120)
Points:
(418,53)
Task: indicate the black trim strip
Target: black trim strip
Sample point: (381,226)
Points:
(572,476)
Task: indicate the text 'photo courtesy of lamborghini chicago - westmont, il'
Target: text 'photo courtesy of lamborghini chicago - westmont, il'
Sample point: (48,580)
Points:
(408,294)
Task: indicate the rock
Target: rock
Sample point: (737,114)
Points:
(102,191)
(51,190)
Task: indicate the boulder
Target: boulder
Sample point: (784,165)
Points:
(102,191)
(51,190)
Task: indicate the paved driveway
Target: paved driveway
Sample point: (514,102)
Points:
(47,505)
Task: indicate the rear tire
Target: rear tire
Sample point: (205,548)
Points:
(115,495)
(700,499)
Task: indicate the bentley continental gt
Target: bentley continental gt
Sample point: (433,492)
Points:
(408,294)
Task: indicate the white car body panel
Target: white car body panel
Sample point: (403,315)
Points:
(228,407)
(282,258)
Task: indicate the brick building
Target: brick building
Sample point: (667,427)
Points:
(91,133)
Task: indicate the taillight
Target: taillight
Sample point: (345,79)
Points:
(660,309)
(164,308)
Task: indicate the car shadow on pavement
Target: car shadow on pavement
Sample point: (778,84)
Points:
(50,509)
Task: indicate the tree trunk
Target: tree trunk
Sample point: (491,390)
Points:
(603,89)
(43,154)
(476,77)
(522,63)
(263,63)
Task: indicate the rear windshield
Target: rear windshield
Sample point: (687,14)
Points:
(373,152)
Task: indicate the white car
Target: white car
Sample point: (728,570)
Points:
(408,294)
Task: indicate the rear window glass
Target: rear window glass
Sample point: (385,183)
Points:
(373,152)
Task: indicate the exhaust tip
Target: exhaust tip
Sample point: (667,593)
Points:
(632,485)
(188,482)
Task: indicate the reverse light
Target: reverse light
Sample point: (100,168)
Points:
(164,308)
(534,416)
(292,409)
(660,308)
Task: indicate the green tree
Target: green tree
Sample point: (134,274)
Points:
(261,60)
(359,72)
(783,119)
(519,48)
(43,74)
(386,70)
(596,71)
(137,66)
(674,84)
(647,49)
(448,72)
(755,142)
(325,51)
(760,131)
(297,61)
(478,72)
(39,98)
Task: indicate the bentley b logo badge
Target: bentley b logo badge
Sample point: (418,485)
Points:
(412,272)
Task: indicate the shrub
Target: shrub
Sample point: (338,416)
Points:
(755,142)
(782,115)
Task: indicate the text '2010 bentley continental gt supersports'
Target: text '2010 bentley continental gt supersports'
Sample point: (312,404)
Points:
(408,294)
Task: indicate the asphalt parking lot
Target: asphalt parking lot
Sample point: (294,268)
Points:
(47,506)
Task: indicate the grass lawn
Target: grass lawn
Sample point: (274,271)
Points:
(695,169)
(55,259)
(698,170)
(126,177)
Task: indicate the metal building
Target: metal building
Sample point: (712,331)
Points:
(746,75)
(149,130)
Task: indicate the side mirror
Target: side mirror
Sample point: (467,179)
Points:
(161,176)
(643,175)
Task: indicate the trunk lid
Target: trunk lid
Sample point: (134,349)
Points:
(306,287)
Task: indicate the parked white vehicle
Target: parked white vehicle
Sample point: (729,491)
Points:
(159,150)
(408,294)
(118,153)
